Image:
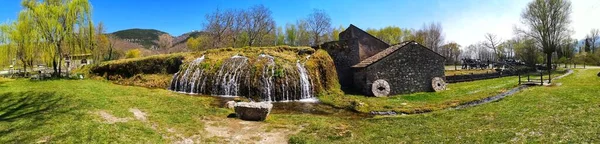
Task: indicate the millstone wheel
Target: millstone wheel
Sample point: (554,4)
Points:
(380,88)
(438,84)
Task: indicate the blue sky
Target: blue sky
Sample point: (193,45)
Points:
(463,21)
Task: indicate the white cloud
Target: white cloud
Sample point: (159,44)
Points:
(467,24)
(585,16)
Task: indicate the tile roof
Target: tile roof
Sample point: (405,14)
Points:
(381,54)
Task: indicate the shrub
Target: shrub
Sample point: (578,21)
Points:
(134,53)
(126,68)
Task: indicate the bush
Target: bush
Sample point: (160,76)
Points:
(134,53)
(126,68)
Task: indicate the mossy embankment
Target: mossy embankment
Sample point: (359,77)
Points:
(157,71)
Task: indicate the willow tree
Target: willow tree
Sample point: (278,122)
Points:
(24,39)
(548,24)
(58,21)
(5,53)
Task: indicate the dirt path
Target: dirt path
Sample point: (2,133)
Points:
(237,131)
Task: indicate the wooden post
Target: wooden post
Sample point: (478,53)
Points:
(519,78)
(528,80)
(549,77)
(541,78)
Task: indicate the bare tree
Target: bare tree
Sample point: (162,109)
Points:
(492,42)
(238,25)
(592,38)
(319,23)
(433,36)
(548,24)
(217,25)
(259,24)
(165,41)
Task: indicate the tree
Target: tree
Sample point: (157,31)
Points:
(591,40)
(56,22)
(526,51)
(493,42)
(290,34)
(303,34)
(165,41)
(335,33)
(217,26)
(103,48)
(280,36)
(134,53)
(548,24)
(420,36)
(433,36)
(259,24)
(193,44)
(319,23)
(24,39)
(451,51)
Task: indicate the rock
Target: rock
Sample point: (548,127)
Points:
(253,111)
(230,104)
(598,74)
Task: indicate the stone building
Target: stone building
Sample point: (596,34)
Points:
(369,66)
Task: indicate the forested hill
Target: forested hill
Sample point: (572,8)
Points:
(145,37)
(184,37)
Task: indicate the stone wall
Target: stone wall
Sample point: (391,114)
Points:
(407,70)
(354,46)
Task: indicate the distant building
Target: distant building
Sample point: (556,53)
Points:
(367,65)
(78,60)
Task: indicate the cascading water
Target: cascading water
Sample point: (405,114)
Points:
(184,82)
(267,77)
(235,76)
(305,85)
(227,82)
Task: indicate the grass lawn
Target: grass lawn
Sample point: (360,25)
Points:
(457,93)
(67,111)
(76,111)
(566,113)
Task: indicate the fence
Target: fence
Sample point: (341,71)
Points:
(473,77)
(534,79)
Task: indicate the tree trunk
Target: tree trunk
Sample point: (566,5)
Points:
(549,61)
(59,59)
(54,66)
(110,53)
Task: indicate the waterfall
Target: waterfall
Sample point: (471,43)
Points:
(235,76)
(267,77)
(305,85)
(184,82)
(227,81)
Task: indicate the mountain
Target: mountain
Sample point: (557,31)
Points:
(144,37)
(179,43)
(184,37)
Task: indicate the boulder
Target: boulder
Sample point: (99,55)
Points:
(253,111)
(230,105)
(598,74)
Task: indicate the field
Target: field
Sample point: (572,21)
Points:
(94,111)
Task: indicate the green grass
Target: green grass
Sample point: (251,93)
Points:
(64,111)
(567,113)
(457,93)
